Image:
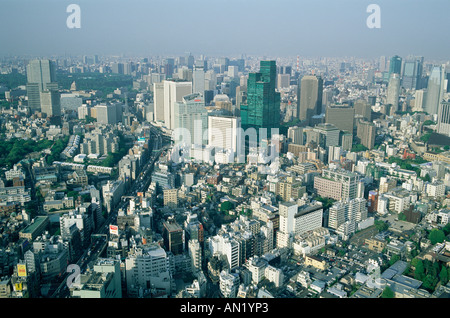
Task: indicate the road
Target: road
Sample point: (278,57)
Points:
(98,245)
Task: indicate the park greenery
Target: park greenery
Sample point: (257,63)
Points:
(408,164)
(359,148)
(13,80)
(106,83)
(15,149)
(57,149)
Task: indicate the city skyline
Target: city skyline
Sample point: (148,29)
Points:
(277,28)
(238,149)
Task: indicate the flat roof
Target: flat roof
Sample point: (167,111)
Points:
(37,222)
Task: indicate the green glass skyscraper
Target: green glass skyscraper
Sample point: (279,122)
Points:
(395,65)
(263,102)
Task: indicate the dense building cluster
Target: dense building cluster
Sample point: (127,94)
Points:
(242,177)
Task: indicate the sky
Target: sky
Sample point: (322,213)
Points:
(314,28)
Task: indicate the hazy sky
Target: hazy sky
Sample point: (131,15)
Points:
(227,27)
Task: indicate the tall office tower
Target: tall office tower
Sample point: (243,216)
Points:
(41,75)
(363,109)
(232,71)
(223,62)
(295,134)
(169,67)
(412,72)
(310,103)
(327,99)
(174,92)
(346,141)
(395,65)
(382,64)
(109,113)
(241,98)
(443,124)
(117,68)
(51,103)
(198,79)
(328,135)
(190,61)
(341,116)
(393,92)
(184,74)
(435,90)
(158,101)
(334,153)
(283,81)
(224,133)
(263,101)
(420,98)
(366,132)
(191,115)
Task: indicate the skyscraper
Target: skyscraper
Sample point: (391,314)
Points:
(174,92)
(435,89)
(412,72)
(263,102)
(41,75)
(393,91)
(191,115)
(310,101)
(443,125)
(366,133)
(158,101)
(395,65)
(342,116)
(363,109)
(224,133)
(198,79)
(50,103)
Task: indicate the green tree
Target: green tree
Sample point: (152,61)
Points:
(443,275)
(387,293)
(419,271)
(394,259)
(381,225)
(430,282)
(436,236)
(226,206)
(446,229)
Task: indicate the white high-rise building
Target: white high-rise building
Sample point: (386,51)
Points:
(198,79)
(420,98)
(347,211)
(297,220)
(146,269)
(191,119)
(158,101)
(393,91)
(174,92)
(195,252)
(224,133)
(295,134)
(227,246)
